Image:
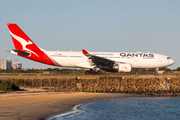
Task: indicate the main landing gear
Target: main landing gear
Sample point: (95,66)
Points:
(93,72)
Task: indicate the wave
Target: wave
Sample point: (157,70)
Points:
(75,110)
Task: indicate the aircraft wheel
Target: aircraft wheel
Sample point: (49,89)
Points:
(156,73)
(99,72)
(87,72)
(93,72)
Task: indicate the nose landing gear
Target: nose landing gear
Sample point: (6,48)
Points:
(156,71)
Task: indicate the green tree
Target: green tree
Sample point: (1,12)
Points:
(178,69)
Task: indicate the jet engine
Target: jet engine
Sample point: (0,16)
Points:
(122,67)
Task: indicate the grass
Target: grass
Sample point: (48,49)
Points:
(45,76)
(7,86)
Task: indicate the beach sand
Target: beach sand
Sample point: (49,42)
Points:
(35,104)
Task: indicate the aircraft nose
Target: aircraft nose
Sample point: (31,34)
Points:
(172,62)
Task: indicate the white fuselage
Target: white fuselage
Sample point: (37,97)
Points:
(137,60)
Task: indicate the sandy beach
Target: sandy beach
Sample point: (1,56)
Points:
(35,104)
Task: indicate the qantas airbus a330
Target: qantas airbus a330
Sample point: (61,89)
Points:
(95,62)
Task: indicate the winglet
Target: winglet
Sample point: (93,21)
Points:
(85,52)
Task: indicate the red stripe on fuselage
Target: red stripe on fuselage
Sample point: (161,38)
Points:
(43,58)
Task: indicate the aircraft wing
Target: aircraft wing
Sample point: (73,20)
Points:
(97,60)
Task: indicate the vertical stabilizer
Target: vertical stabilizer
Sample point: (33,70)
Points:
(25,47)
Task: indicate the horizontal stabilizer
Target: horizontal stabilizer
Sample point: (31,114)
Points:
(23,53)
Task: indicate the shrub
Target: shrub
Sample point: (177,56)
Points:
(7,86)
(178,69)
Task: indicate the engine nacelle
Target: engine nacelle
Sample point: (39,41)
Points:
(122,67)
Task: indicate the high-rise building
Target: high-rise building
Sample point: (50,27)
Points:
(17,66)
(3,65)
(8,64)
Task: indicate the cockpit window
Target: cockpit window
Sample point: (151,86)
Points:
(168,58)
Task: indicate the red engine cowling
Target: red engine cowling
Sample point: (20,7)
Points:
(122,67)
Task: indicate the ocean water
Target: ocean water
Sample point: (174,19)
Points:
(125,109)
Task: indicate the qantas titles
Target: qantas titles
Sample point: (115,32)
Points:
(144,55)
(128,55)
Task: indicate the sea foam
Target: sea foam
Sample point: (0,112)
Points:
(75,110)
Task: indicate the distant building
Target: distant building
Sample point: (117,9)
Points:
(8,64)
(45,72)
(17,66)
(3,65)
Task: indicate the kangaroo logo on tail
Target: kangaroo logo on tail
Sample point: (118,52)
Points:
(23,42)
(25,47)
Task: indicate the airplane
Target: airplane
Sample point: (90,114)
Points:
(94,62)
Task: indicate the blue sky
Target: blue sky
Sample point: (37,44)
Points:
(95,25)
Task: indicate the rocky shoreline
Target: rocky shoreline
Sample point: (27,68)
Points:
(145,85)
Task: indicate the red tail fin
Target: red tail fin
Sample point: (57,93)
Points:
(25,47)
(21,40)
